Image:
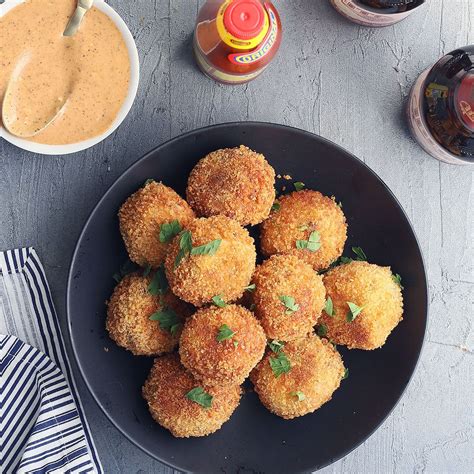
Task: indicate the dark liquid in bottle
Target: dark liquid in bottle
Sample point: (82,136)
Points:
(448,102)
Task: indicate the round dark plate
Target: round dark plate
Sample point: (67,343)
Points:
(253,440)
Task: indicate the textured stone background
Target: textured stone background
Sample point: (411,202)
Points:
(344,82)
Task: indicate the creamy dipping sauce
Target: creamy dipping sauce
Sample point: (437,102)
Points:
(88,73)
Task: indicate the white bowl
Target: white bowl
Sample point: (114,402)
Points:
(132,90)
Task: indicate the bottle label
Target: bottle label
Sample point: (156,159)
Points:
(231,40)
(264,48)
(351,10)
(465,101)
(419,128)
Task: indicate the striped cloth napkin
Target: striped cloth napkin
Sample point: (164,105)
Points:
(42,423)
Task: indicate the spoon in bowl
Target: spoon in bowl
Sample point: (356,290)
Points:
(75,21)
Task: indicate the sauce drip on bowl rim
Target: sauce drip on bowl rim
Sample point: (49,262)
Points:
(85,77)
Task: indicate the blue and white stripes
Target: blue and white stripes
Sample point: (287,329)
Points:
(42,424)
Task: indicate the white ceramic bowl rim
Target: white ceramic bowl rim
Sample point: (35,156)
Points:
(126,106)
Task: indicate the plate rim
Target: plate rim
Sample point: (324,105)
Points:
(204,129)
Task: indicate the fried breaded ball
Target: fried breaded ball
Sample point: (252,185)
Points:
(371,288)
(128,317)
(166,390)
(222,345)
(224,272)
(276,279)
(305,216)
(141,218)
(235,182)
(316,371)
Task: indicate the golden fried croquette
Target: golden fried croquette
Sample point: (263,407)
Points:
(222,268)
(276,279)
(371,288)
(220,346)
(128,317)
(167,389)
(235,182)
(315,372)
(141,218)
(307,224)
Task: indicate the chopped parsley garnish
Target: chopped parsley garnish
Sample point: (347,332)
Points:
(346,374)
(329,307)
(276,346)
(322,330)
(299,395)
(250,288)
(280,364)
(346,260)
(168,319)
(185,247)
(289,303)
(398,280)
(236,343)
(276,206)
(148,181)
(169,230)
(218,301)
(199,396)
(353,312)
(312,244)
(207,249)
(158,284)
(147,270)
(125,269)
(339,205)
(225,332)
(299,185)
(361,256)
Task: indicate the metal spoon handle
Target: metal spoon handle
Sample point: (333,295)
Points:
(75,21)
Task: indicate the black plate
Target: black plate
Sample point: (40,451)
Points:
(253,440)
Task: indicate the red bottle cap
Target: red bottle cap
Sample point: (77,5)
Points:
(244,19)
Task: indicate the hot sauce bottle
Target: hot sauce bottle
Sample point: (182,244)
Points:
(441,108)
(235,40)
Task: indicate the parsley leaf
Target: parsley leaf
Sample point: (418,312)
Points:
(361,256)
(329,308)
(185,247)
(168,319)
(158,284)
(169,230)
(346,260)
(218,301)
(398,280)
(207,249)
(322,330)
(299,395)
(276,206)
(339,205)
(289,303)
(312,244)
(346,374)
(125,269)
(276,346)
(250,288)
(299,185)
(199,396)
(148,181)
(280,364)
(236,343)
(147,270)
(225,332)
(353,312)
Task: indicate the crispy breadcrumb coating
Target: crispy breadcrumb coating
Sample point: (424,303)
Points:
(316,372)
(228,361)
(141,217)
(287,275)
(235,182)
(368,286)
(165,392)
(198,278)
(128,317)
(301,213)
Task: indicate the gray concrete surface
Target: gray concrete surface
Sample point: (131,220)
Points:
(344,82)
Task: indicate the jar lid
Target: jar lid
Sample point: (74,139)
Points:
(244,19)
